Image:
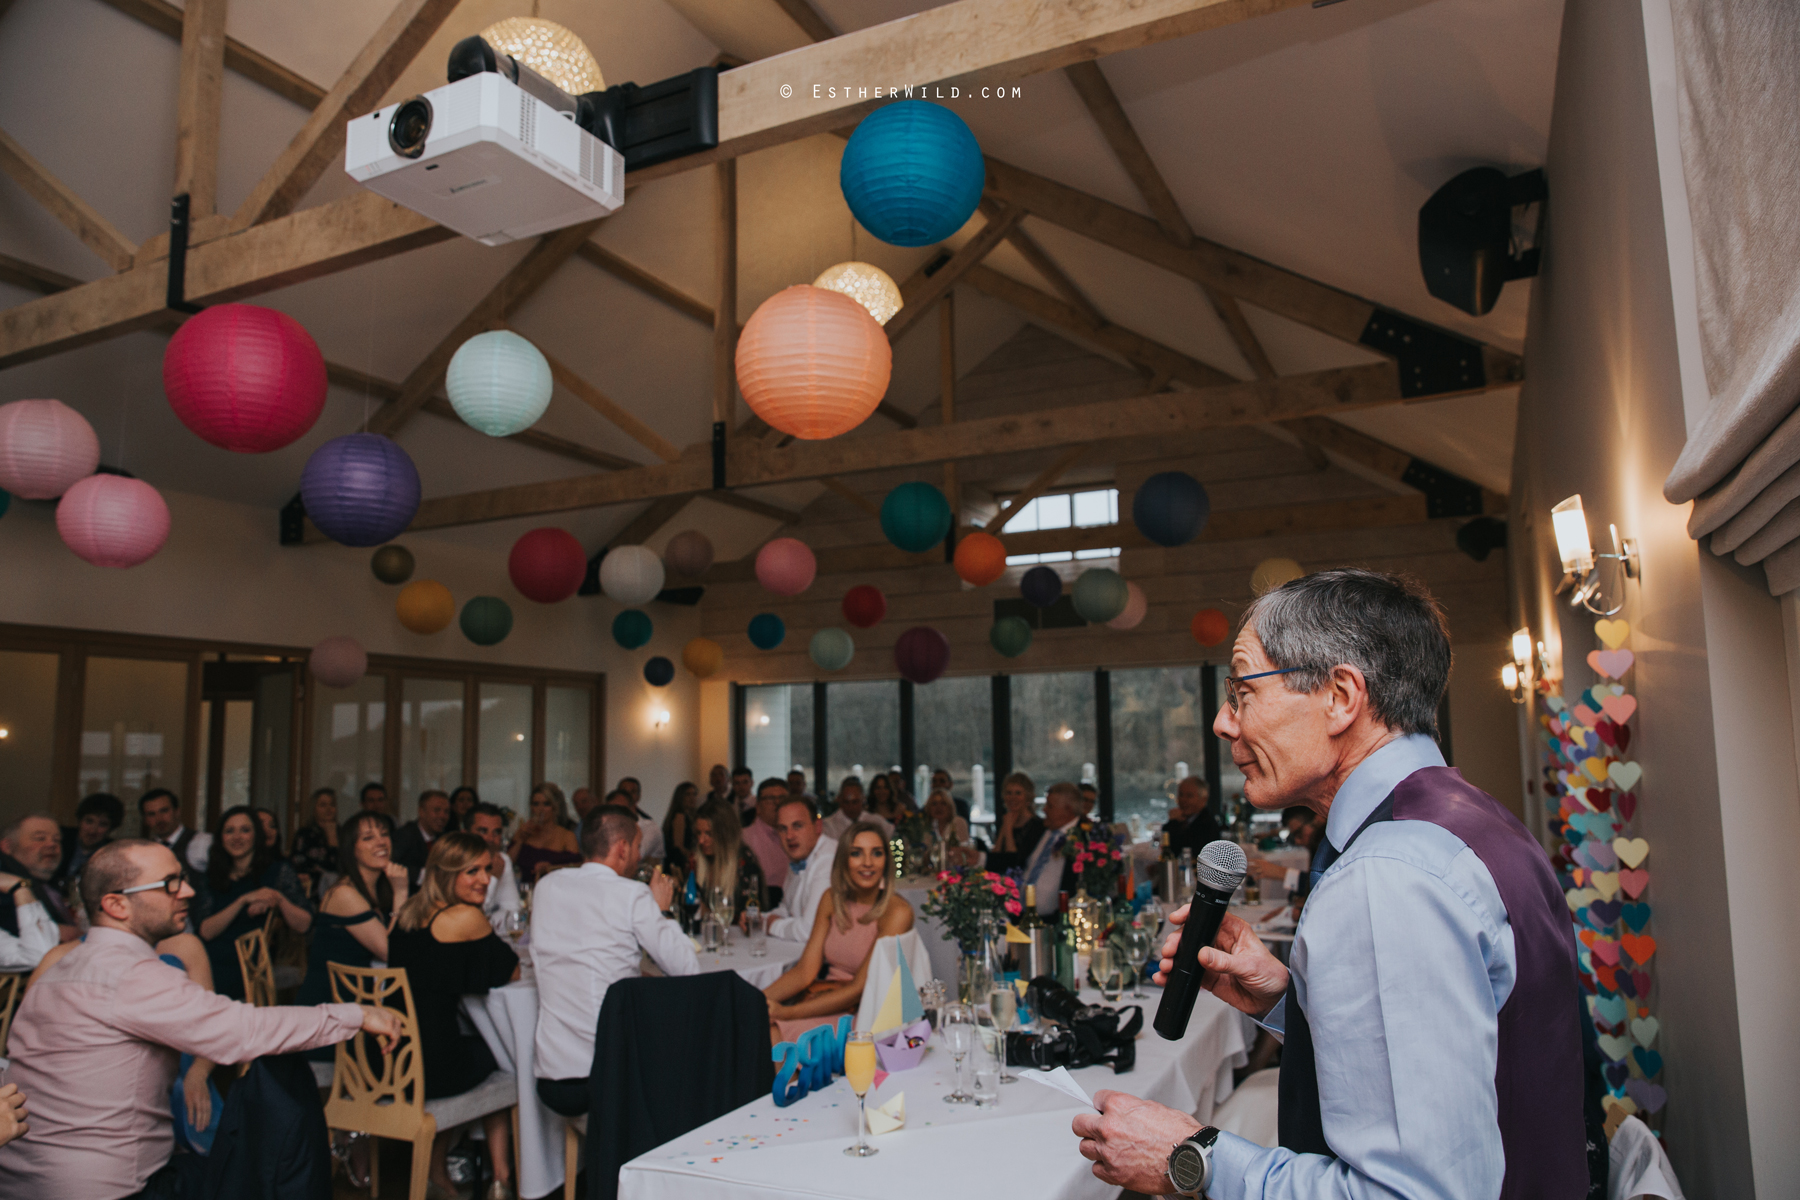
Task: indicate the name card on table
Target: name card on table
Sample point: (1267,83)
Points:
(808,1064)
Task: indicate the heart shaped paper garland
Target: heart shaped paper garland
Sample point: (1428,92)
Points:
(1603,872)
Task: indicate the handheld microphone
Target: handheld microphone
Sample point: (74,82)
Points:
(1216,876)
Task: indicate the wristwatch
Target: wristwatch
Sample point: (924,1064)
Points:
(1190,1163)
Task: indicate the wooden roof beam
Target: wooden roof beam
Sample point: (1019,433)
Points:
(198,99)
(60,201)
(626,421)
(259,68)
(937,284)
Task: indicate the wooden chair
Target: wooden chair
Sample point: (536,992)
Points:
(574,1132)
(384,1095)
(259,975)
(12,990)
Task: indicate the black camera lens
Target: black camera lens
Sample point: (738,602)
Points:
(408,129)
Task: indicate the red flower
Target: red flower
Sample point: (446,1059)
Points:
(999,890)
(1014,907)
(1079,863)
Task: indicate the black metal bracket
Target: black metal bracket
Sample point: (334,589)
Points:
(293,521)
(718,456)
(179,225)
(590,583)
(1446,495)
(1432,362)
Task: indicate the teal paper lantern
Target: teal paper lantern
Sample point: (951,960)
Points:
(486,620)
(1011,636)
(498,383)
(5,501)
(915,517)
(632,628)
(767,631)
(912,173)
(1100,595)
(831,649)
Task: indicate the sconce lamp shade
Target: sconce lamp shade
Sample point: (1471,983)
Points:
(1572,543)
(912,173)
(813,363)
(689,553)
(338,661)
(703,657)
(980,558)
(360,489)
(552,50)
(425,606)
(1170,508)
(1509,677)
(767,631)
(915,517)
(1271,573)
(1521,645)
(1136,605)
(786,566)
(659,672)
(245,378)
(498,383)
(921,654)
(632,575)
(831,649)
(486,620)
(547,565)
(864,606)
(45,446)
(868,285)
(112,521)
(1041,586)
(1011,636)
(392,564)
(632,628)
(1210,627)
(1100,595)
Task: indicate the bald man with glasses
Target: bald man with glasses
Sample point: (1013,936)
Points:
(98,1037)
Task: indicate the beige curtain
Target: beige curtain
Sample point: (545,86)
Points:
(1738,63)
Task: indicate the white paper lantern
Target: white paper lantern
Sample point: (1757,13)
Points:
(45,448)
(868,285)
(632,575)
(498,383)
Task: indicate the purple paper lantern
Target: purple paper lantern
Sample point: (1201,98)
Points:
(1040,587)
(921,654)
(360,489)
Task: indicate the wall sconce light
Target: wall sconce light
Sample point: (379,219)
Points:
(1515,676)
(659,718)
(1581,565)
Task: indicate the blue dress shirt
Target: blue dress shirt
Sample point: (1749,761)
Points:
(1402,959)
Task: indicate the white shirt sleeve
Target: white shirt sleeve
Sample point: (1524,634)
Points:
(672,949)
(37,937)
(198,849)
(503,892)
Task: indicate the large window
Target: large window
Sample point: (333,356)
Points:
(1053,728)
(431,740)
(133,727)
(27,729)
(1071,510)
(778,731)
(953,723)
(1159,736)
(568,737)
(862,729)
(349,736)
(506,745)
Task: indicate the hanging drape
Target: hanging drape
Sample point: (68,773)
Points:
(1738,67)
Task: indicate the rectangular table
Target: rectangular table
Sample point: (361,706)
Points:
(1021,1147)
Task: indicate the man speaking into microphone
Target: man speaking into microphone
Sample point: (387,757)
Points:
(1430,1022)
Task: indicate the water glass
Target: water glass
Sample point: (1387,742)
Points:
(988,1073)
(957,1023)
(712,934)
(758,928)
(1004,1004)
(1108,972)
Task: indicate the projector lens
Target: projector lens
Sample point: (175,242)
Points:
(408,129)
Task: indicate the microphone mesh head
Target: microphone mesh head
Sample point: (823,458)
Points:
(1221,866)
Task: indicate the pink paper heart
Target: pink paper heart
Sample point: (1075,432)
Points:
(1634,882)
(1611,663)
(1607,951)
(1619,708)
(1585,715)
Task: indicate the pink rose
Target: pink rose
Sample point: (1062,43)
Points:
(1078,865)
(999,890)
(1014,907)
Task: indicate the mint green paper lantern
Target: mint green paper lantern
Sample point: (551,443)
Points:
(1011,636)
(1100,595)
(498,383)
(831,649)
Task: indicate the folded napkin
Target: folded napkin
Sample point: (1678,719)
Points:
(890,1116)
(904,1048)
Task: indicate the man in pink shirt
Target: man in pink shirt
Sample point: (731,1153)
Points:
(764,839)
(96,1042)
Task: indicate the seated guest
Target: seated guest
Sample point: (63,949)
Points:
(678,827)
(12,1114)
(881,801)
(462,802)
(851,808)
(583,801)
(91,1043)
(160,815)
(1194,825)
(1020,827)
(796,781)
(97,817)
(243,883)
(489,824)
(941,782)
(1090,797)
(743,794)
(31,849)
(810,855)
(722,860)
(1046,867)
(374,798)
(762,839)
(542,843)
(357,913)
(270,825)
(718,782)
(448,951)
(34,932)
(653,838)
(315,852)
(950,831)
(412,841)
(860,907)
(903,798)
(591,927)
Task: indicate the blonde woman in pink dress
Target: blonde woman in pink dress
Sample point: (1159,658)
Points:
(861,906)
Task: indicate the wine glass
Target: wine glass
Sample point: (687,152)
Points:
(931,999)
(1136,946)
(513,925)
(1108,969)
(957,1023)
(859,1071)
(1004,1004)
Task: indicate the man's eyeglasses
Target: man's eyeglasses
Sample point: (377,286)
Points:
(1234,684)
(169,883)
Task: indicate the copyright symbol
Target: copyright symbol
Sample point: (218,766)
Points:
(787,90)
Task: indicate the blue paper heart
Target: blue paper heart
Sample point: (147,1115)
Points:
(1605,911)
(1574,836)
(1610,1010)
(1626,987)
(1636,915)
(1586,918)
(1592,742)
(1616,1074)
(1648,1061)
(1649,1096)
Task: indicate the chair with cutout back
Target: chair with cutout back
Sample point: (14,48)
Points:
(384,1095)
(12,989)
(259,975)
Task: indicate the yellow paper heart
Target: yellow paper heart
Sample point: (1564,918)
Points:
(1631,851)
(1606,883)
(1612,634)
(1623,1104)
(1576,897)
(1596,769)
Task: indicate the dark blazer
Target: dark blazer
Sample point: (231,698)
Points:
(71,844)
(1025,837)
(272,1142)
(1193,834)
(411,848)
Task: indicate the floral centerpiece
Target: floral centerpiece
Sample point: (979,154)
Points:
(963,895)
(1096,857)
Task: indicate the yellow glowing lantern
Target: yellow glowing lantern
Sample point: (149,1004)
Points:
(869,286)
(551,50)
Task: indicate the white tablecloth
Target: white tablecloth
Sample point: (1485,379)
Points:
(1021,1147)
(946,957)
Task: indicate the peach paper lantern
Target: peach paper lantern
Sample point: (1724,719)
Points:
(112,521)
(786,566)
(45,446)
(338,662)
(813,363)
(980,558)
(425,606)
(1136,605)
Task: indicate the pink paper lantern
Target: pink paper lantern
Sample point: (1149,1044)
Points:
(1136,605)
(245,378)
(112,521)
(786,566)
(338,661)
(45,447)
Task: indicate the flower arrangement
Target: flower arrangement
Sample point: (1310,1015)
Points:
(963,895)
(1095,856)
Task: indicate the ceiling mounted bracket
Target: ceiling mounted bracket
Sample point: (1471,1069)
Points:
(293,521)
(179,223)
(1446,494)
(1432,362)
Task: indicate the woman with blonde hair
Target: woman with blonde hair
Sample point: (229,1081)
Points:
(1020,827)
(948,830)
(860,907)
(721,859)
(544,842)
(448,951)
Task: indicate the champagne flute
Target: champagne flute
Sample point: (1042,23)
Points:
(1004,1004)
(859,1071)
(1136,946)
(958,1025)
(1109,972)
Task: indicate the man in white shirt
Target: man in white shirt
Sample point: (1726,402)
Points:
(37,932)
(161,820)
(1045,868)
(489,824)
(850,810)
(630,794)
(810,855)
(590,927)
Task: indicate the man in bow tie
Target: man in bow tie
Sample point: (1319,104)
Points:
(810,854)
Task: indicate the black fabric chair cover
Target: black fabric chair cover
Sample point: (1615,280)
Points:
(272,1142)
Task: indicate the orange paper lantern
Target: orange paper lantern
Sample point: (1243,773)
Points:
(1210,627)
(980,558)
(425,606)
(813,363)
(703,657)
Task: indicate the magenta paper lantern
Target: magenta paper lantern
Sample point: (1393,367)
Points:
(921,654)
(245,378)
(786,566)
(45,446)
(338,661)
(1136,605)
(112,521)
